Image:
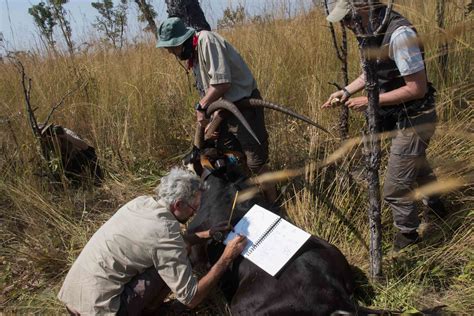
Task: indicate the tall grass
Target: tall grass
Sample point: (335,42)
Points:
(136,110)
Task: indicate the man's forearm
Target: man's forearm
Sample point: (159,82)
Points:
(399,96)
(214,93)
(356,85)
(415,88)
(209,281)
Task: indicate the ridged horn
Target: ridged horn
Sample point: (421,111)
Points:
(222,104)
(280,108)
(199,136)
(214,125)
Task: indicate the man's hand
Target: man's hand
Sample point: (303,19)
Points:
(219,231)
(332,98)
(234,248)
(357,104)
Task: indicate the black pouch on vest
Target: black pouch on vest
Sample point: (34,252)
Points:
(415,109)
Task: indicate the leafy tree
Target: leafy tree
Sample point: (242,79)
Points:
(112,20)
(147,14)
(59,15)
(49,14)
(232,17)
(45,22)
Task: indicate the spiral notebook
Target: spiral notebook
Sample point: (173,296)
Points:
(272,241)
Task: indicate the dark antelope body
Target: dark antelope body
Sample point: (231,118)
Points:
(316,281)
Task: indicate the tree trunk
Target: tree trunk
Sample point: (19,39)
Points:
(149,15)
(190,12)
(344,114)
(368,42)
(443,46)
(373,154)
(64,26)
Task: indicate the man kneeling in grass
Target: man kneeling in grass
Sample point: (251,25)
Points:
(138,256)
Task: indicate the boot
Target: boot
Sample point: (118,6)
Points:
(436,206)
(403,240)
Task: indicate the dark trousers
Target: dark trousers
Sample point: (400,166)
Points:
(144,294)
(232,130)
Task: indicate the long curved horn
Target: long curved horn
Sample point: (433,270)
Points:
(214,125)
(199,136)
(229,106)
(280,108)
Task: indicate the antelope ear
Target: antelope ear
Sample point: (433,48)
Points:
(191,161)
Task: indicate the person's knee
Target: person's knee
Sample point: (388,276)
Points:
(395,191)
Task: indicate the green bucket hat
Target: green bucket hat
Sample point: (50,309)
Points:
(173,32)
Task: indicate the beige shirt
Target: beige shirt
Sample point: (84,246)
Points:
(219,62)
(141,234)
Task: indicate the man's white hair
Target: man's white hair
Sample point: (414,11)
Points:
(178,185)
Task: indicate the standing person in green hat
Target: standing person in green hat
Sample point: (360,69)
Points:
(221,72)
(407,106)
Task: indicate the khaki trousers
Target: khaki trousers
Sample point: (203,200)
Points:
(407,168)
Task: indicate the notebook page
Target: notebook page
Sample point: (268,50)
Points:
(280,245)
(253,225)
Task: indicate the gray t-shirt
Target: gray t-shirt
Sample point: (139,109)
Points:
(141,234)
(219,62)
(405,51)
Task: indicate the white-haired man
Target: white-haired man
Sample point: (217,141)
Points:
(407,102)
(138,256)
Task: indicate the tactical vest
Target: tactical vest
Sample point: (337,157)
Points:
(389,77)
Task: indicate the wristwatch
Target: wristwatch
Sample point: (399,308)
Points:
(198,107)
(347,94)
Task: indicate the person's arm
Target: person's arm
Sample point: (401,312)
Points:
(171,261)
(214,55)
(405,51)
(415,88)
(214,93)
(218,232)
(355,86)
(209,281)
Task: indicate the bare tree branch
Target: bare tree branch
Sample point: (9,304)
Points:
(55,107)
(341,52)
